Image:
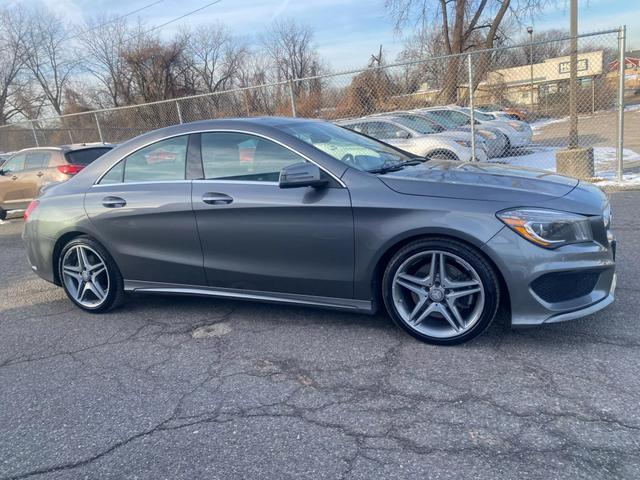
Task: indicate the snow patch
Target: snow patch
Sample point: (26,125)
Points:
(544,158)
(543,122)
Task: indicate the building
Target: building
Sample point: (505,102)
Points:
(544,80)
(631,72)
(517,85)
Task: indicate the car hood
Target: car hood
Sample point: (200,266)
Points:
(501,125)
(478,181)
(451,135)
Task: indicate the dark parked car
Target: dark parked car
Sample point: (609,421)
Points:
(25,173)
(305,212)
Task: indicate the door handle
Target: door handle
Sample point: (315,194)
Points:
(113,202)
(39,174)
(14,177)
(213,198)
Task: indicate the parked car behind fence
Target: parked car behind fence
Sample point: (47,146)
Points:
(24,174)
(417,137)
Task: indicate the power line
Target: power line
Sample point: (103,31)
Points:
(183,16)
(113,20)
(85,57)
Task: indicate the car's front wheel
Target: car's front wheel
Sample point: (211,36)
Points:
(441,291)
(90,277)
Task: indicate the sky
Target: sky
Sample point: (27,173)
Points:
(346,32)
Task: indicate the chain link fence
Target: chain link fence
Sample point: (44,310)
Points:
(508,105)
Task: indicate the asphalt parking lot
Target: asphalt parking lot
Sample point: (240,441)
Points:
(171,387)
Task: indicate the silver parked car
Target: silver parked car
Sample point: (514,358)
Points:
(494,140)
(304,212)
(518,133)
(417,137)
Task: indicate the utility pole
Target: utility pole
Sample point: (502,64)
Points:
(573,77)
(574,161)
(530,32)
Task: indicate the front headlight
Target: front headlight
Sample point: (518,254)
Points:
(517,126)
(487,134)
(548,228)
(464,143)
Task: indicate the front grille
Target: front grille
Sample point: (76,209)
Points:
(563,286)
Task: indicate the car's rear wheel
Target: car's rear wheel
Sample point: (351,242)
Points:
(441,291)
(3,214)
(506,151)
(89,275)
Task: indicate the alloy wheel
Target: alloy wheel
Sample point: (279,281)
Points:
(438,294)
(85,276)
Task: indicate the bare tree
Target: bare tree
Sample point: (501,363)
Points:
(157,68)
(216,57)
(47,55)
(12,36)
(103,46)
(464,25)
(290,47)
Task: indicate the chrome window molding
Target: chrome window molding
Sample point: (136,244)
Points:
(222,130)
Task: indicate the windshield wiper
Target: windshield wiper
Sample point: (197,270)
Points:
(395,166)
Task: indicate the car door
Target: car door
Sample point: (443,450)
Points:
(141,209)
(259,237)
(35,165)
(13,191)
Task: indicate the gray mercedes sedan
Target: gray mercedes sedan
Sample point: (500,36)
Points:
(305,212)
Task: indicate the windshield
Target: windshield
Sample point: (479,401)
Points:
(458,119)
(480,115)
(349,147)
(418,123)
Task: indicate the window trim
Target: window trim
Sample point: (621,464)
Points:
(215,130)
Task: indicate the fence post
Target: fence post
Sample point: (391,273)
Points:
(620,145)
(95,115)
(292,97)
(471,108)
(179,111)
(35,136)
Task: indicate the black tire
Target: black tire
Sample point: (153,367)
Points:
(482,267)
(3,214)
(507,147)
(442,155)
(115,290)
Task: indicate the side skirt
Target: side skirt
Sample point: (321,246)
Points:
(348,304)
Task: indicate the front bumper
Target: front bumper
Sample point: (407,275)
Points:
(524,264)
(40,251)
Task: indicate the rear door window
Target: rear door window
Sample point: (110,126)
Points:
(85,156)
(162,161)
(35,160)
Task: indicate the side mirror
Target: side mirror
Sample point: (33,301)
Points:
(303,174)
(402,134)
